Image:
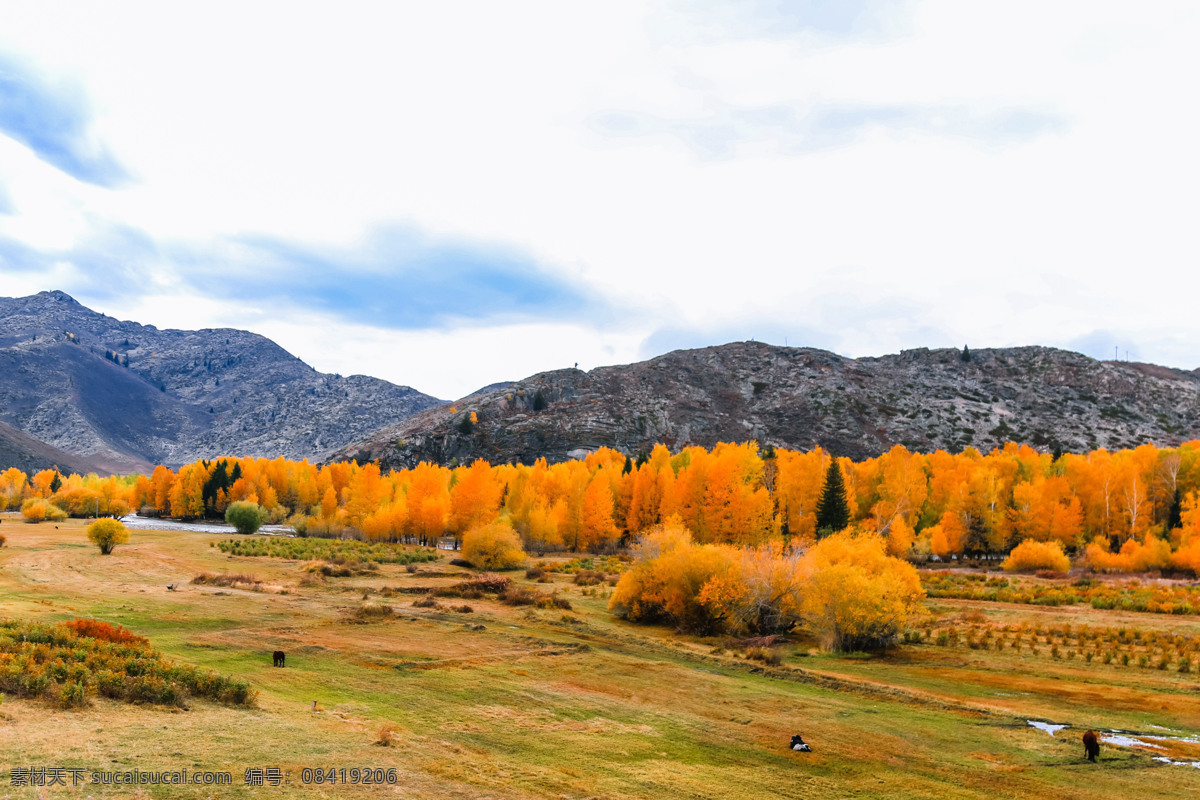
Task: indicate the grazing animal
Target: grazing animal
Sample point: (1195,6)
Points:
(170,587)
(1091,745)
(798,744)
(279,658)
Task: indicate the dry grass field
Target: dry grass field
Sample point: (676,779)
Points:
(517,702)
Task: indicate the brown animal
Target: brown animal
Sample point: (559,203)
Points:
(279,657)
(1091,745)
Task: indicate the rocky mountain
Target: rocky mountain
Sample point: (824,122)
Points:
(125,395)
(29,455)
(800,397)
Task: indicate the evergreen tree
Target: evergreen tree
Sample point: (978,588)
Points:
(539,401)
(1175,512)
(628,468)
(833,512)
(55,483)
(966,353)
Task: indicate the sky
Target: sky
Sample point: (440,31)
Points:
(447,195)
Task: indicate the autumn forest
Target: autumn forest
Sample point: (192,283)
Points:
(1127,510)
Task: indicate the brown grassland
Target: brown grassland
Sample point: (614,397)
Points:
(523,702)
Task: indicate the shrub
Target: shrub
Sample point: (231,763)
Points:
(587,577)
(372,613)
(665,582)
(66,667)
(105,631)
(37,509)
(247,517)
(1134,556)
(486,583)
(304,549)
(553,601)
(236,580)
(857,597)
(765,655)
(518,596)
(493,546)
(107,534)
(1030,556)
(427,601)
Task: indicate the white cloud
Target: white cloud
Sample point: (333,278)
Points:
(995,174)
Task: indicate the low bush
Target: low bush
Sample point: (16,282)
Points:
(587,577)
(476,587)
(553,601)
(493,546)
(518,596)
(37,509)
(234,580)
(105,632)
(368,612)
(245,516)
(765,655)
(1030,556)
(341,568)
(351,550)
(71,662)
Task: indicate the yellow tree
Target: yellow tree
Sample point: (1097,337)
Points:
(428,502)
(475,497)
(187,492)
(903,488)
(799,479)
(597,531)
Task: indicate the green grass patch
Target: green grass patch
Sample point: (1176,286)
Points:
(333,550)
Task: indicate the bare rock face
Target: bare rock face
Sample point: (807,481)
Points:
(129,395)
(800,398)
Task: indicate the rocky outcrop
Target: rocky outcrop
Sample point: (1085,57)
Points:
(121,393)
(801,398)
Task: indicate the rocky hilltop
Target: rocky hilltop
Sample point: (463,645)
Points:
(126,395)
(800,398)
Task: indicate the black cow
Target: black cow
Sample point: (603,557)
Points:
(1091,745)
(798,744)
(279,658)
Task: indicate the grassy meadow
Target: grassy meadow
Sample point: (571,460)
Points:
(528,702)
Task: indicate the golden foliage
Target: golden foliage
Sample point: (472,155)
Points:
(1031,555)
(107,533)
(666,580)
(493,546)
(1134,556)
(856,597)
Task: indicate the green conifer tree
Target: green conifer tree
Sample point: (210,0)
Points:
(833,512)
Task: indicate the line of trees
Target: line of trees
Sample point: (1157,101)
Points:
(1126,509)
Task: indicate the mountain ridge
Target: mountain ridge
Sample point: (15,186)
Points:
(122,392)
(804,397)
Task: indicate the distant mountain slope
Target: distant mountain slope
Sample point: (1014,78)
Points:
(126,393)
(801,397)
(30,455)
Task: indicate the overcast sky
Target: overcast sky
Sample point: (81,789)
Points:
(451,194)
